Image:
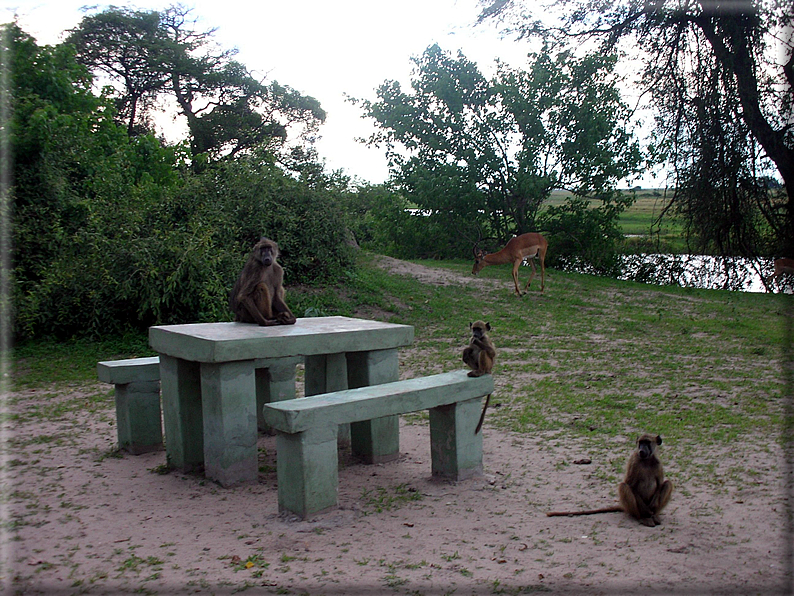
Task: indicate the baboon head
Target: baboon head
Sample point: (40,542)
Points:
(478,328)
(646,445)
(266,251)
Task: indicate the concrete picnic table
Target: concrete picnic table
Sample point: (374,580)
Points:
(215,377)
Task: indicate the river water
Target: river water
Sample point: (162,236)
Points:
(698,271)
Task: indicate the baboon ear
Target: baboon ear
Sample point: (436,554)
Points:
(658,439)
(469,324)
(488,326)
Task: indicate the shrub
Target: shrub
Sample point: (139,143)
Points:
(585,237)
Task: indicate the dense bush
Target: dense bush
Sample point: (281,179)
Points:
(113,232)
(174,259)
(384,221)
(584,237)
(582,234)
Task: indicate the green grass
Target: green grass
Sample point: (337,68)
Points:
(386,499)
(592,358)
(41,363)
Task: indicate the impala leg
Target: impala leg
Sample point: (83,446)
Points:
(532,275)
(542,274)
(515,276)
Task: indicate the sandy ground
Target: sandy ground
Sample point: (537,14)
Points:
(85,519)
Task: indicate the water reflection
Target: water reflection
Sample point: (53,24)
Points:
(698,271)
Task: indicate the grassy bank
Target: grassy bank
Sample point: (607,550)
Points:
(593,358)
(640,222)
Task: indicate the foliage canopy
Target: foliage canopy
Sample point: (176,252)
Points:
(149,55)
(114,232)
(479,156)
(720,76)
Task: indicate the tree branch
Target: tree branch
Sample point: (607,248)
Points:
(738,61)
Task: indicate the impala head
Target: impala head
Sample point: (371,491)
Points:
(479,261)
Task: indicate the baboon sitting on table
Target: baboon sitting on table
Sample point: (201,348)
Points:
(258,294)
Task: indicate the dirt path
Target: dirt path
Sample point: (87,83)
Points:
(434,275)
(85,520)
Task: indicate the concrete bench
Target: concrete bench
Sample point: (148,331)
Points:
(307,465)
(209,384)
(137,396)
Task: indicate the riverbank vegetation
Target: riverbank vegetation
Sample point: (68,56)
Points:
(115,229)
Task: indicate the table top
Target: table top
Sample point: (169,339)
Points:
(227,342)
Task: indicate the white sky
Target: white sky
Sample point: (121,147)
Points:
(322,48)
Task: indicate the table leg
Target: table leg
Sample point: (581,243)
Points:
(228,392)
(275,381)
(326,373)
(180,384)
(378,440)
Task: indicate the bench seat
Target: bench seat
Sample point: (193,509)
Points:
(137,396)
(307,428)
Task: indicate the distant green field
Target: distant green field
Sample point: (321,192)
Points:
(641,218)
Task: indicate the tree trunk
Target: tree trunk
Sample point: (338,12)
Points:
(739,62)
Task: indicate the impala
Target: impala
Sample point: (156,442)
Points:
(784,265)
(519,248)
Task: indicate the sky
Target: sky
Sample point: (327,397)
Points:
(327,49)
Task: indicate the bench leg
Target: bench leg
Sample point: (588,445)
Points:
(307,471)
(455,451)
(324,374)
(228,392)
(180,383)
(140,428)
(275,381)
(374,441)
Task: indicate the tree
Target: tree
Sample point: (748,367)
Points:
(60,135)
(103,43)
(113,232)
(228,111)
(721,77)
(485,153)
(79,182)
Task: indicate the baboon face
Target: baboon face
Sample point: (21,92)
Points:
(646,445)
(266,251)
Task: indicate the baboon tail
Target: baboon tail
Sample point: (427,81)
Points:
(482,416)
(613,509)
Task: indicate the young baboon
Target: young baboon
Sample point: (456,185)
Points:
(644,492)
(258,294)
(479,355)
